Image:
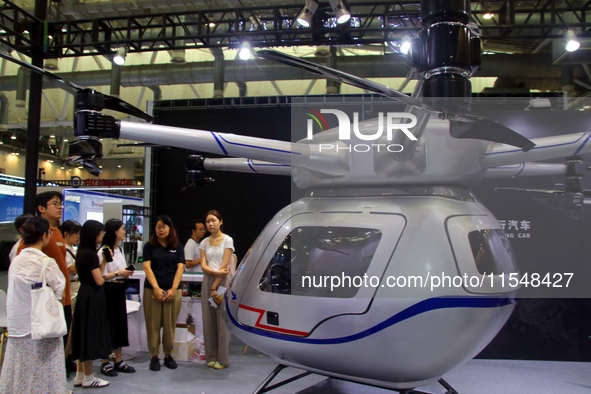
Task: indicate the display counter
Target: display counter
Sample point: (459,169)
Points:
(136,324)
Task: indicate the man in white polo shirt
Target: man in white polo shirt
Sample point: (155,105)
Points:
(192,253)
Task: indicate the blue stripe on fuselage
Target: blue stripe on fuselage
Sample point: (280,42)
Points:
(414,310)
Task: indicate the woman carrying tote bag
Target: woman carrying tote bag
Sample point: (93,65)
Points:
(32,366)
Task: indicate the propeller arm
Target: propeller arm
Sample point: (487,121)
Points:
(546,148)
(332,163)
(247,165)
(526,169)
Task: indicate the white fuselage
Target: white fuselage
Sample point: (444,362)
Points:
(397,337)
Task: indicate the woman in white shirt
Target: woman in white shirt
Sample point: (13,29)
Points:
(32,366)
(218,250)
(115,275)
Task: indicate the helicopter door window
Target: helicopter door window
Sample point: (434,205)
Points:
(316,253)
(492,252)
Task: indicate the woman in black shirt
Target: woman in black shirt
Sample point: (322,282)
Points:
(164,263)
(90,332)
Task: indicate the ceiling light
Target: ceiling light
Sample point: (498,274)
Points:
(245,52)
(13,136)
(25,31)
(18,154)
(100,166)
(119,58)
(62,168)
(65,140)
(64,30)
(52,136)
(572,44)
(119,166)
(211,24)
(340,11)
(405,46)
(306,14)
(488,16)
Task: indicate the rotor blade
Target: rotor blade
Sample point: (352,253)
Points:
(539,191)
(477,127)
(339,76)
(116,104)
(113,103)
(41,71)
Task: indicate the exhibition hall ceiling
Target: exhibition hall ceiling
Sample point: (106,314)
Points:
(523,44)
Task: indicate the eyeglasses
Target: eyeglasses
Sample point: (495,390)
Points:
(56,204)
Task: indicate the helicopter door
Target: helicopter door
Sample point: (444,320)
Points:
(309,273)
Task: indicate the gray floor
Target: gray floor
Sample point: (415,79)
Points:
(246,372)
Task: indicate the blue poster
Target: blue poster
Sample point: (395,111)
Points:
(10,207)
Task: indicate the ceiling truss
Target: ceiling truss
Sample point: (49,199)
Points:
(276,26)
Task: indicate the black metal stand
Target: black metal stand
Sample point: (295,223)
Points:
(450,390)
(263,387)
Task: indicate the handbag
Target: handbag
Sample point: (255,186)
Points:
(47,313)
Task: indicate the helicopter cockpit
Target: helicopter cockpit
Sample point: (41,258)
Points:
(319,252)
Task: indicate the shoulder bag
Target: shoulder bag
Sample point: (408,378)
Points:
(47,313)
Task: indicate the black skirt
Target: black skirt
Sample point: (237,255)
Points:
(117,313)
(91,338)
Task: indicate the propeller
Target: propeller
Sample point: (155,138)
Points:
(573,198)
(86,98)
(461,125)
(194,165)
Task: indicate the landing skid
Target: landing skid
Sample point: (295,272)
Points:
(264,387)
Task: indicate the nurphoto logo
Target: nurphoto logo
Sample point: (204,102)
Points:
(393,121)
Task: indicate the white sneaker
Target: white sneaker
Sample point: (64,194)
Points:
(95,383)
(78,382)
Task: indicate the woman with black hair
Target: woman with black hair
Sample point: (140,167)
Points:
(216,253)
(164,263)
(90,332)
(31,366)
(115,276)
(71,232)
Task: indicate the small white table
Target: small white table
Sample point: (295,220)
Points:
(136,324)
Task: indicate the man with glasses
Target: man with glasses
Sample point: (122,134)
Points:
(49,205)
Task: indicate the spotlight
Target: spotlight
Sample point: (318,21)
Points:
(572,44)
(245,52)
(488,16)
(340,11)
(405,47)
(306,14)
(119,58)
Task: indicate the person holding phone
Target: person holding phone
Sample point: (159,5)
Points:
(215,258)
(164,264)
(115,275)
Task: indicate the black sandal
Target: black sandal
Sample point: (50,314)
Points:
(122,367)
(107,369)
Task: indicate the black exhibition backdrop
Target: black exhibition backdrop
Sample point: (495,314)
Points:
(539,329)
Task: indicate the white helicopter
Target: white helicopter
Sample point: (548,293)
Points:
(399,213)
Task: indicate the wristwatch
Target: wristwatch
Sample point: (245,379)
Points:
(115,274)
